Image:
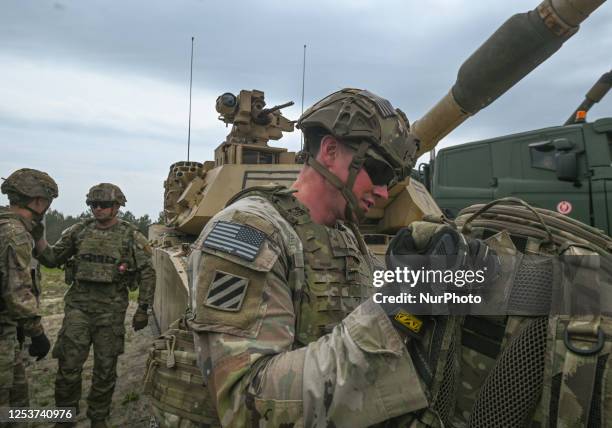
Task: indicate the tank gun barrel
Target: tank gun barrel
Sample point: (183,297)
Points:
(514,50)
(595,94)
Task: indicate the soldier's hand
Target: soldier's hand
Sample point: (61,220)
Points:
(425,247)
(40,346)
(38,231)
(140,319)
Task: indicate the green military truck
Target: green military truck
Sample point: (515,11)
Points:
(565,168)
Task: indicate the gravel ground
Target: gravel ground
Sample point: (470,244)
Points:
(130,406)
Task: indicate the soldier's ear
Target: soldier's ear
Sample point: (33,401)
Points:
(328,151)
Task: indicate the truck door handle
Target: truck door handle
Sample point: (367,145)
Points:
(493,182)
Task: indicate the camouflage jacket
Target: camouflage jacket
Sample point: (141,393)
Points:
(273,354)
(102,265)
(17,299)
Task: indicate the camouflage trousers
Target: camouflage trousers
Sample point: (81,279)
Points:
(13,381)
(79,331)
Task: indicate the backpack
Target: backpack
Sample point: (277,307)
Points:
(552,370)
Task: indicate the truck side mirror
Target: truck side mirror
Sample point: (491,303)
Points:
(566,166)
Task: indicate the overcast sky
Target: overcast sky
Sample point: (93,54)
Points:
(97,90)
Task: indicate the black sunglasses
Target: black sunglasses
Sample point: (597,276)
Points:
(101,204)
(380,173)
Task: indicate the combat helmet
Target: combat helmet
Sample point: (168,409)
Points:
(379,133)
(25,184)
(106,192)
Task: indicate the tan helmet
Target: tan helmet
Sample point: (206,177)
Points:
(26,183)
(106,192)
(369,124)
(357,115)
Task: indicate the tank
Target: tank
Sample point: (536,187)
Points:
(195,191)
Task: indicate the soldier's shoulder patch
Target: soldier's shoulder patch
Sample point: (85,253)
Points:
(226,291)
(237,239)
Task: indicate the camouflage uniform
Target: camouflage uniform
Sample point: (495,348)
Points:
(18,308)
(102,265)
(312,351)
(19,290)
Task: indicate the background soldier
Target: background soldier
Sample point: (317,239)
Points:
(104,258)
(285,331)
(30,193)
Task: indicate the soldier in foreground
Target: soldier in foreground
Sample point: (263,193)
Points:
(30,193)
(104,258)
(284,328)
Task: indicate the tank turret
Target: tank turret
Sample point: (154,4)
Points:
(195,191)
(251,122)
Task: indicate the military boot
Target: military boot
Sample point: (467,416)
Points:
(99,423)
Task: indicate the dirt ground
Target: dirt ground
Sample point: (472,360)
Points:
(130,406)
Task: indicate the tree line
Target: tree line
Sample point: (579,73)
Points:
(56,222)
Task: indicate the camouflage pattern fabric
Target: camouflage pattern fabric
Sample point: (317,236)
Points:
(518,371)
(576,389)
(18,308)
(106,192)
(102,265)
(80,330)
(13,381)
(18,304)
(345,365)
(30,183)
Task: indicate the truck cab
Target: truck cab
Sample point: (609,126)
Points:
(566,168)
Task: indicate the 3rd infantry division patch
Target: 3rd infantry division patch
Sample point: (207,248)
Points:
(226,292)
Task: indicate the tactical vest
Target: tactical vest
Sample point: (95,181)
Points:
(519,371)
(103,256)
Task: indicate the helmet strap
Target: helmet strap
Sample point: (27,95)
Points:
(352,204)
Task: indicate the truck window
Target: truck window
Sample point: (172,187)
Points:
(467,167)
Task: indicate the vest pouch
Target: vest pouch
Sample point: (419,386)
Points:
(94,271)
(175,384)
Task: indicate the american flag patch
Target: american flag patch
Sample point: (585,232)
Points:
(226,292)
(384,106)
(237,239)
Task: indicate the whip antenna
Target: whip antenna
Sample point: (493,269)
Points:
(303,81)
(190,85)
